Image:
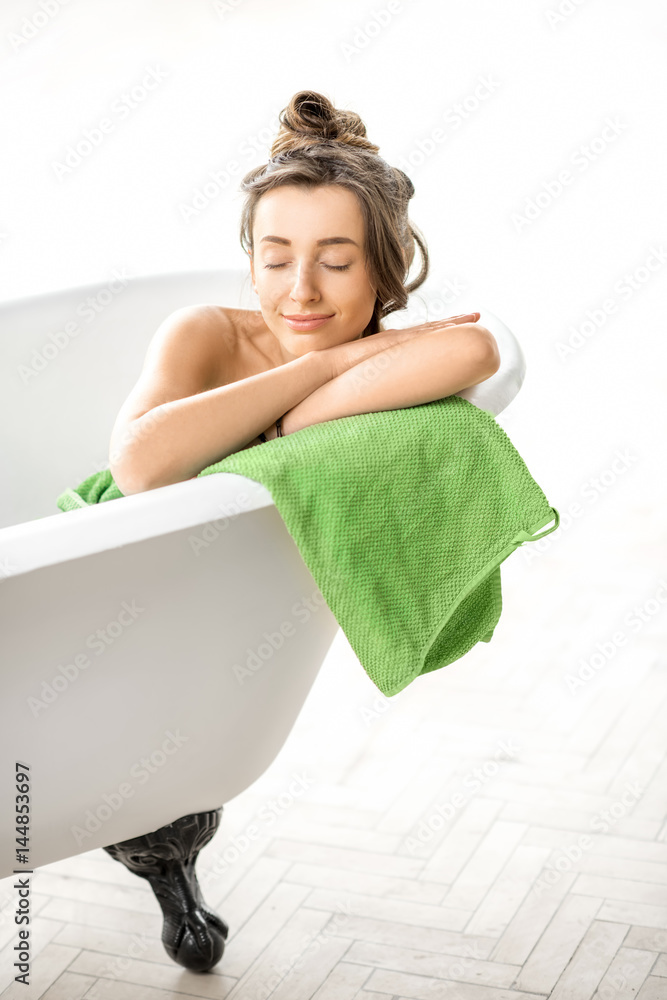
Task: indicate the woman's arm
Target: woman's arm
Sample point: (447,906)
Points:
(424,367)
(172,425)
(350,353)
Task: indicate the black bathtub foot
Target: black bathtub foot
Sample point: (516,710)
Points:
(192,935)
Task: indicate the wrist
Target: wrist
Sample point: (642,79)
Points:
(341,357)
(323,363)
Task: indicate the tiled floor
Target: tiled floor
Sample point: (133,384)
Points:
(498,830)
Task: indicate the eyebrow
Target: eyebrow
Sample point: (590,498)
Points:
(320,243)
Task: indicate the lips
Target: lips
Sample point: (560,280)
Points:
(306,321)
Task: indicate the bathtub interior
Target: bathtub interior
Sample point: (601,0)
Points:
(70,359)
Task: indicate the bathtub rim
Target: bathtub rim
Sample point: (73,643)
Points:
(74,534)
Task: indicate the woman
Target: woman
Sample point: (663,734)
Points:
(326,229)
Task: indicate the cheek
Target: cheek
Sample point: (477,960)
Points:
(268,294)
(364,292)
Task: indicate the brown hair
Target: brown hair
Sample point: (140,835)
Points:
(319,144)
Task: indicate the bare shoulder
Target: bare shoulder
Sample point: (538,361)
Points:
(189,352)
(199,338)
(216,344)
(208,321)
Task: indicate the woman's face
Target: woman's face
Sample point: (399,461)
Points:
(309,260)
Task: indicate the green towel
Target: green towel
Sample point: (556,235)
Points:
(403,518)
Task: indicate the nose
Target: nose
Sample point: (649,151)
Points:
(304,285)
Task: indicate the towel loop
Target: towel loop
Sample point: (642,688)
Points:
(528,536)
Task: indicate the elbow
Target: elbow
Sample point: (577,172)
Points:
(131,475)
(128,474)
(128,458)
(124,477)
(487,354)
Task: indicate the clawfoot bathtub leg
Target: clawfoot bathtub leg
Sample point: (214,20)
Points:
(192,935)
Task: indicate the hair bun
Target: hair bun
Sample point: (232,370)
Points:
(310,118)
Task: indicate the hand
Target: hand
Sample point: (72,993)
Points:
(353,352)
(472,317)
(398,336)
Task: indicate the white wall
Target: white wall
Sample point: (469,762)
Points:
(229,67)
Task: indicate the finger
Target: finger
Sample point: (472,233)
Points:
(449,320)
(471,317)
(466,318)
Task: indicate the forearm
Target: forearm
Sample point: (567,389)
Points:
(175,441)
(417,370)
(349,354)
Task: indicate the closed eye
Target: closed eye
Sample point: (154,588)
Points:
(330,267)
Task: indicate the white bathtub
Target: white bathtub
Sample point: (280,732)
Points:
(125,640)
